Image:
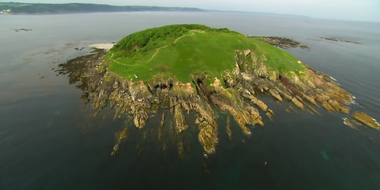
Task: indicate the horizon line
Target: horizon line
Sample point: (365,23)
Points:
(211,10)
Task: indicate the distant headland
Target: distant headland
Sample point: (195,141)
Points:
(45,8)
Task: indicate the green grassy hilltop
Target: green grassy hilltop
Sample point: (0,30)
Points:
(182,50)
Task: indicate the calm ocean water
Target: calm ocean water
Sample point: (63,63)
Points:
(49,139)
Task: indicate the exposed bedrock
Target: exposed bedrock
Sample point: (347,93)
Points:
(235,92)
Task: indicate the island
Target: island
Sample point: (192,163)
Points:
(197,69)
(45,8)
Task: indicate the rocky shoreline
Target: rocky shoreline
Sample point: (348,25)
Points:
(234,93)
(281,42)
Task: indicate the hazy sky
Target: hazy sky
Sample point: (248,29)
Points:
(365,10)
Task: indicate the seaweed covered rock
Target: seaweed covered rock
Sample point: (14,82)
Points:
(367,120)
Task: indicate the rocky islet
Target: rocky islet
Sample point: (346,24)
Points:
(234,92)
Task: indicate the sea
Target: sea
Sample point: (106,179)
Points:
(50,140)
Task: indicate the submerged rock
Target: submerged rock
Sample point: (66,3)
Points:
(341,40)
(352,123)
(228,128)
(162,123)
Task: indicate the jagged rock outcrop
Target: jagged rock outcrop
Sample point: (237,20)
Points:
(205,119)
(254,100)
(275,94)
(297,103)
(179,118)
(233,92)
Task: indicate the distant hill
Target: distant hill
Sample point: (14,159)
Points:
(41,8)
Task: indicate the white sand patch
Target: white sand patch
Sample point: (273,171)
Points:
(105,46)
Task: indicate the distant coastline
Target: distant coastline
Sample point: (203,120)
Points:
(44,8)
(18,8)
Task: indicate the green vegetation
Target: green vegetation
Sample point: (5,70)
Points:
(281,42)
(277,59)
(183,50)
(38,8)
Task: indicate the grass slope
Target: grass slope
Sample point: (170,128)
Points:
(181,50)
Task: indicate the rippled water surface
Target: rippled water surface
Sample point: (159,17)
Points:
(50,140)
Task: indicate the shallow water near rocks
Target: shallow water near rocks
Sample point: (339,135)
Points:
(50,140)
